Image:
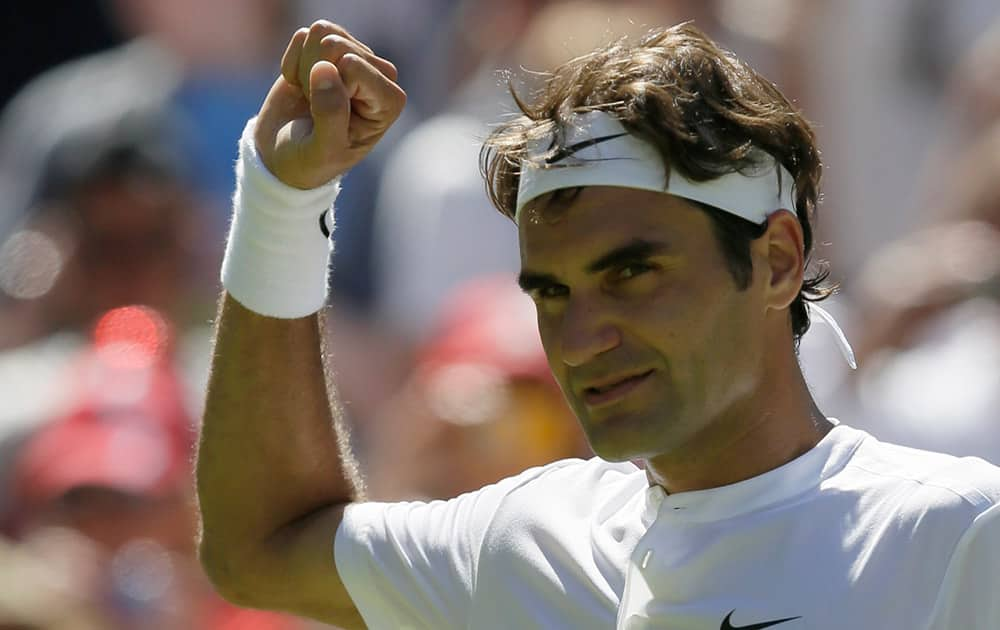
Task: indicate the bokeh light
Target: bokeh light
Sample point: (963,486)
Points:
(131,336)
(30,263)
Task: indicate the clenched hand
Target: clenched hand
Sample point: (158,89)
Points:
(334,100)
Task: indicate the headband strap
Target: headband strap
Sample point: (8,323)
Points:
(598,151)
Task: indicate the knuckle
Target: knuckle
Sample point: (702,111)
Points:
(336,44)
(350,61)
(391,70)
(320,27)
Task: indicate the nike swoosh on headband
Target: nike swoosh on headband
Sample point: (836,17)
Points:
(726,625)
(565,152)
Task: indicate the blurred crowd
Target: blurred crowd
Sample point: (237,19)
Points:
(116,156)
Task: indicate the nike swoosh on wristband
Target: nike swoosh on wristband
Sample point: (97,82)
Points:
(565,152)
(726,625)
(322,224)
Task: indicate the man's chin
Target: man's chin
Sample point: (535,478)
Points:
(629,437)
(617,450)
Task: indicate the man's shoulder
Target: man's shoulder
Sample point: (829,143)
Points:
(924,480)
(567,489)
(575,476)
(563,502)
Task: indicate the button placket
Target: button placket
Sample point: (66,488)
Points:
(635,588)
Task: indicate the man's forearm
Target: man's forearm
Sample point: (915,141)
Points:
(273,472)
(272,447)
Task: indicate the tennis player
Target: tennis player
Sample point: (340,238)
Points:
(662,192)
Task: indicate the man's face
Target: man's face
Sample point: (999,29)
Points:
(643,325)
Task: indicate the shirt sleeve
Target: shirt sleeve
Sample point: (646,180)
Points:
(970,593)
(413,564)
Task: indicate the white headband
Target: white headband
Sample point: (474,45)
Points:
(598,151)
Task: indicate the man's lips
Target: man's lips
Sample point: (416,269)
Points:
(612,390)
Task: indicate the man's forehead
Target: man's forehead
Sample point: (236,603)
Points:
(599,218)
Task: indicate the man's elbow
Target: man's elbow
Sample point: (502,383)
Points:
(230,575)
(243,582)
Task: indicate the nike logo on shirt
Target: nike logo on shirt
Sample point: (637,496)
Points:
(726,625)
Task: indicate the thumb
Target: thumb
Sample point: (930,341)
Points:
(330,106)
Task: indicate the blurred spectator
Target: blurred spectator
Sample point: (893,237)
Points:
(47,125)
(480,404)
(98,213)
(203,66)
(116,460)
(876,80)
(109,479)
(931,349)
(113,225)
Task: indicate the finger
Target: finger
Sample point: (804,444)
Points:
(374,97)
(330,107)
(311,52)
(290,60)
(337,29)
(335,46)
(342,41)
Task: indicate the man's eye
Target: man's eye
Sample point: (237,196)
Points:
(632,270)
(549,291)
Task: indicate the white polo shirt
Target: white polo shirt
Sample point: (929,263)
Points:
(854,534)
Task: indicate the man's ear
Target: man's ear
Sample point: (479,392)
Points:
(783,253)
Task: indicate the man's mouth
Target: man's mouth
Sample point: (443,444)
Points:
(613,391)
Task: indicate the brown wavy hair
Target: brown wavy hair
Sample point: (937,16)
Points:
(707,112)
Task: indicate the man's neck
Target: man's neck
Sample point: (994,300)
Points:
(774,426)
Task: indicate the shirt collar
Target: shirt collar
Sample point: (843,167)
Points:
(798,476)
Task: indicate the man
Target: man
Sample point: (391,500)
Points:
(670,324)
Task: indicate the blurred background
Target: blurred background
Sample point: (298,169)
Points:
(118,134)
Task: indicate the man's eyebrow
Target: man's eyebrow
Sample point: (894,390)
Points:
(637,249)
(530,280)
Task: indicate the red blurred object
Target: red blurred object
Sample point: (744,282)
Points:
(137,335)
(228,617)
(488,322)
(127,428)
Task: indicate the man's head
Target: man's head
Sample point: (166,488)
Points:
(631,282)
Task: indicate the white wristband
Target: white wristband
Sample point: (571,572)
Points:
(277,256)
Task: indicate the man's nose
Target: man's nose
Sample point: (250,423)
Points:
(587,332)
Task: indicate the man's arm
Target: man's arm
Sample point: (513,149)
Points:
(273,472)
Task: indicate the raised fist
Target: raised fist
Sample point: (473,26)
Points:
(333,101)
